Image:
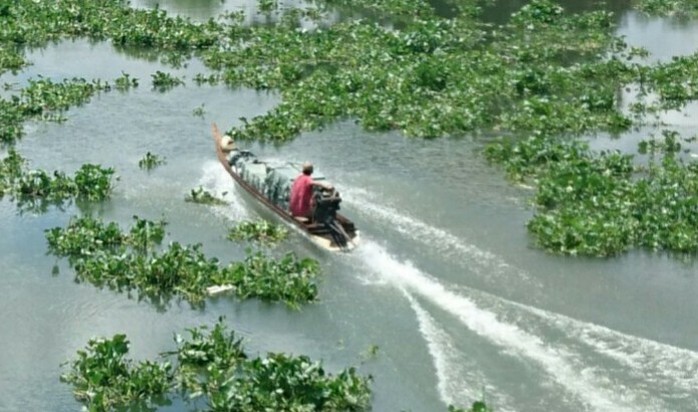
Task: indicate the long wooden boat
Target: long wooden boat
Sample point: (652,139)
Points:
(328,228)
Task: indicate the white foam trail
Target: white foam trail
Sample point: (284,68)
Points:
(219,183)
(459,381)
(555,361)
(489,263)
(648,361)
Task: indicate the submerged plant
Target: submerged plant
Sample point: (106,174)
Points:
(199,111)
(150,161)
(202,196)
(164,81)
(125,82)
(261,231)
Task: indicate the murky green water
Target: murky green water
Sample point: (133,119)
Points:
(445,282)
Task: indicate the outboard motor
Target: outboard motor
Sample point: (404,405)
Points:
(326,207)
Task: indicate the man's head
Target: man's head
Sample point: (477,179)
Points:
(307,168)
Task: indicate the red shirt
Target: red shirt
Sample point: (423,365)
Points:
(301,196)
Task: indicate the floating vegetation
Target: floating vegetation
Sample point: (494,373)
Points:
(436,77)
(103,379)
(478,406)
(150,161)
(599,204)
(165,81)
(125,82)
(46,100)
(29,187)
(86,236)
(35,23)
(261,231)
(212,365)
(11,60)
(287,279)
(104,255)
(202,196)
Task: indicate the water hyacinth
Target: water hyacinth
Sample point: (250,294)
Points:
(106,256)
(600,204)
(212,364)
(104,379)
(27,187)
(11,60)
(44,99)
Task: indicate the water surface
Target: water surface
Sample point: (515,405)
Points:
(446,282)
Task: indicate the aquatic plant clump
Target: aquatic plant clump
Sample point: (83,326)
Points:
(34,23)
(261,231)
(44,99)
(478,406)
(103,379)
(165,81)
(287,279)
(600,204)
(104,255)
(11,60)
(86,236)
(91,182)
(213,365)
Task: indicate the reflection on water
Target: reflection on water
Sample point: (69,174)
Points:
(500,10)
(197,10)
(662,37)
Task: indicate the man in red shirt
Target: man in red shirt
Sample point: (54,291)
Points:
(301,202)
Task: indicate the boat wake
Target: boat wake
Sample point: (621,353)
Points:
(459,381)
(487,265)
(587,362)
(217,181)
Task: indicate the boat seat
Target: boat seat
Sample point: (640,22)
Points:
(302,219)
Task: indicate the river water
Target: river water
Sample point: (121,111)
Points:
(446,282)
